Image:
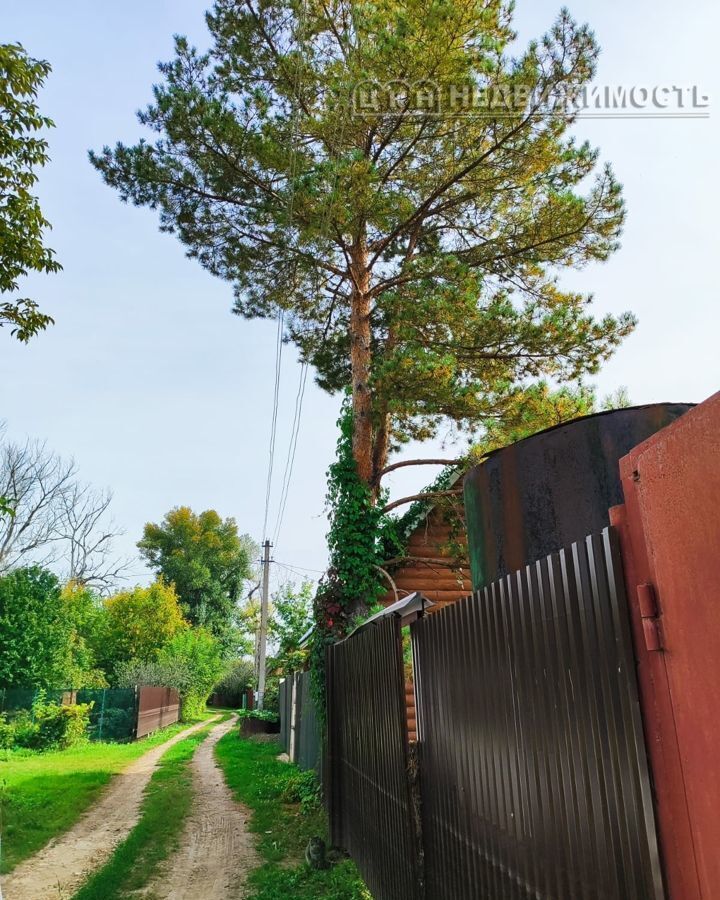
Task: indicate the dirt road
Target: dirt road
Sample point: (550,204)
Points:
(216,851)
(56,872)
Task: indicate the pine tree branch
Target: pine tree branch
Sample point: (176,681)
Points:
(420,462)
(428,495)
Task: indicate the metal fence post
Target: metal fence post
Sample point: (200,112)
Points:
(102,714)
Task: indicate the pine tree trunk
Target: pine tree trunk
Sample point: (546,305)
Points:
(360,360)
(380,451)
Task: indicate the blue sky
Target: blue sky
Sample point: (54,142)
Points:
(162,395)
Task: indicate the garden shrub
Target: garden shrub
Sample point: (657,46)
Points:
(59,727)
(303,788)
(24,730)
(266,715)
(7,733)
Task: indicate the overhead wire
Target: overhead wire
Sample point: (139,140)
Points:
(292,448)
(274,418)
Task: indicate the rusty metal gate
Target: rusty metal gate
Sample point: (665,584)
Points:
(367,775)
(534,775)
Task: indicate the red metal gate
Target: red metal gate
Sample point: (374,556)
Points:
(670,532)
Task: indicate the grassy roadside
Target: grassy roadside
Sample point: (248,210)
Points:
(166,803)
(264,785)
(44,794)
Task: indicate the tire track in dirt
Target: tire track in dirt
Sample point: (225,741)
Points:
(217,851)
(64,863)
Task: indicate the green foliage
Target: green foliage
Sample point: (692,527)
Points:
(206,560)
(429,242)
(303,788)
(48,726)
(353,582)
(617,399)
(34,634)
(264,715)
(239,676)
(85,616)
(138,623)
(21,221)
(291,617)
(60,726)
(352,538)
(197,658)
(283,830)
(191,662)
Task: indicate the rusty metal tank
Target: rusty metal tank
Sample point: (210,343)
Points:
(548,490)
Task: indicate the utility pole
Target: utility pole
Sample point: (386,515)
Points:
(263,623)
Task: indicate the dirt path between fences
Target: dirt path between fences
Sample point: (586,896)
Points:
(216,852)
(58,870)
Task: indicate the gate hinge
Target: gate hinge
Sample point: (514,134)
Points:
(647,601)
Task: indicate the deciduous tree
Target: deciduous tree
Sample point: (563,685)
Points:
(34,634)
(53,518)
(22,224)
(139,623)
(206,560)
(291,617)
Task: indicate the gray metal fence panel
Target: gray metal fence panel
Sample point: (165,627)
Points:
(308,739)
(534,776)
(284,710)
(368,794)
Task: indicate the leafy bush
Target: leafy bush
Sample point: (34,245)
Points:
(197,656)
(24,730)
(34,634)
(7,733)
(139,623)
(50,726)
(60,727)
(191,663)
(303,788)
(235,682)
(266,715)
(132,672)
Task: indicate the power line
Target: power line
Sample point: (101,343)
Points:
(292,567)
(292,448)
(273,421)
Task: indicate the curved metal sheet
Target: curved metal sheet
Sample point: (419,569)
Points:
(553,488)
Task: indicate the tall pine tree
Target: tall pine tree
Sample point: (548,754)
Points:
(413,247)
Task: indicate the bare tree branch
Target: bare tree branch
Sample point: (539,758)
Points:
(57,521)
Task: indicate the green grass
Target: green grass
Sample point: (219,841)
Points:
(260,782)
(44,794)
(166,803)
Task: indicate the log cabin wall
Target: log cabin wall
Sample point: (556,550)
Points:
(435,569)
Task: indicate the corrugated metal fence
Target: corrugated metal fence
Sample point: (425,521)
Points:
(285,708)
(299,722)
(533,772)
(157,708)
(367,786)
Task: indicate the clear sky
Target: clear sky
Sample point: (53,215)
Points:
(162,395)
